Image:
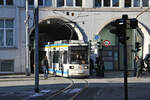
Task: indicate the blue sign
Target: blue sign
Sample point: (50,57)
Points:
(97,37)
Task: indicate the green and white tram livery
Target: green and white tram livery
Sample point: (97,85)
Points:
(68,58)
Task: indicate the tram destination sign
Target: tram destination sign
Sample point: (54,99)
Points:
(79,48)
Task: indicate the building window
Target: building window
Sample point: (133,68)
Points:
(115,3)
(69,2)
(136,3)
(48,2)
(145,3)
(1,2)
(41,2)
(7,66)
(31,2)
(6,33)
(127,3)
(78,2)
(106,3)
(6,2)
(60,3)
(98,3)
(9,2)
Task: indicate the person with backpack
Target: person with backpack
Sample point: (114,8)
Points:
(44,65)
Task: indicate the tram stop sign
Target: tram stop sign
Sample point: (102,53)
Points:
(106,43)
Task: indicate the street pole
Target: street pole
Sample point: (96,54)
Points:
(125,69)
(27,41)
(36,53)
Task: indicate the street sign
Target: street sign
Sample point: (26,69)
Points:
(106,43)
(97,37)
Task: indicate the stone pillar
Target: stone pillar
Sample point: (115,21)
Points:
(122,3)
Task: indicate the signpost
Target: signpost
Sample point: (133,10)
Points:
(97,37)
(36,57)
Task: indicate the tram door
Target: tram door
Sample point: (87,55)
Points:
(61,62)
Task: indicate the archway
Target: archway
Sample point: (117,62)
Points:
(51,30)
(113,55)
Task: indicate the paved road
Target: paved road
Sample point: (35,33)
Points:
(21,87)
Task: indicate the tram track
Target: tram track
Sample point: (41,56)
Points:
(78,93)
(72,86)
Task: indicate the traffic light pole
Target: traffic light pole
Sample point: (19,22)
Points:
(36,53)
(125,70)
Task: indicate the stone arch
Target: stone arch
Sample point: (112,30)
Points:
(81,35)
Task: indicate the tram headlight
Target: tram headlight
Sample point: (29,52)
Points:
(85,67)
(71,67)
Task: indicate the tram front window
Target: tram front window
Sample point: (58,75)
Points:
(78,54)
(79,58)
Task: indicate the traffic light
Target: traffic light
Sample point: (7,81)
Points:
(137,46)
(119,29)
(132,23)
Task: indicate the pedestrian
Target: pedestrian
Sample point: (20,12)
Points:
(97,66)
(44,65)
(102,68)
(138,66)
(91,67)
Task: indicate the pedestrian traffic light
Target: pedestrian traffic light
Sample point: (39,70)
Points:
(137,46)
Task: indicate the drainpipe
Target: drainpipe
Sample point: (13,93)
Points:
(27,41)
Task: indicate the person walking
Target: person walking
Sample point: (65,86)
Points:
(91,67)
(45,67)
(138,66)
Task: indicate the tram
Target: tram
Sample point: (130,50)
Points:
(68,58)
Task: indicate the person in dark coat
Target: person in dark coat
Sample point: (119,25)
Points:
(100,67)
(44,65)
(138,66)
(91,66)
